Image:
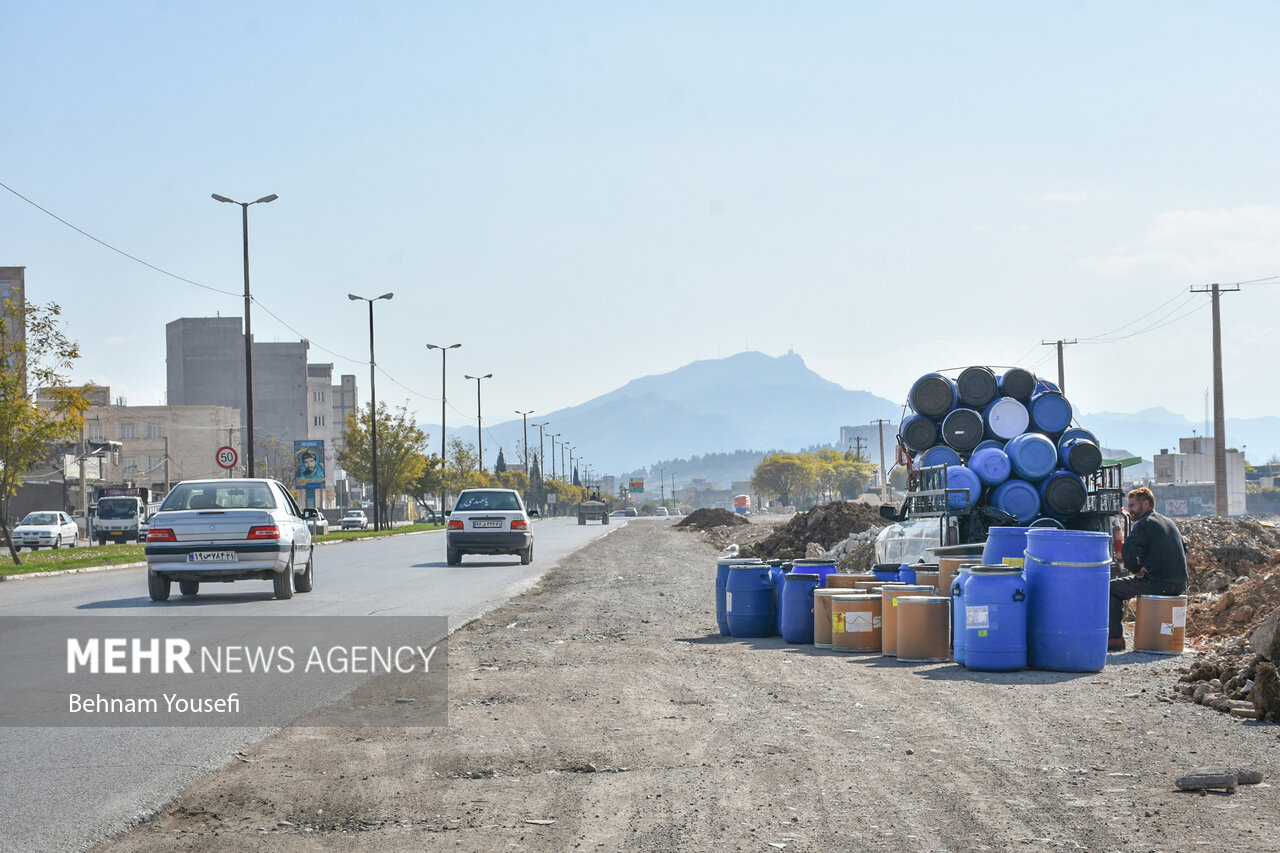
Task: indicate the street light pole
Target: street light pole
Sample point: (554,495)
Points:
(542,451)
(662,485)
(528,469)
(554,436)
(444,357)
(248,328)
(479,420)
(373,407)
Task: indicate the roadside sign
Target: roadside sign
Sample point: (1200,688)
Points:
(227,457)
(637,484)
(551,498)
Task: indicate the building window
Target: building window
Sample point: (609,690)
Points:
(127,431)
(95,431)
(129,464)
(318,420)
(155,463)
(155,431)
(317,396)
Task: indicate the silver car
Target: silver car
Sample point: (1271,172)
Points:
(488,521)
(218,531)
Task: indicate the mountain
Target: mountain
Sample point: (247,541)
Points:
(748,401)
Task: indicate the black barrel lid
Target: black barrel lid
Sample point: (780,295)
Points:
(977,386)
(803,576)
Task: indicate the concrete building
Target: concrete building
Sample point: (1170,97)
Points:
(13,287)
(1193,465)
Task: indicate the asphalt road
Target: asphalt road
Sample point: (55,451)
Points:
(66,789)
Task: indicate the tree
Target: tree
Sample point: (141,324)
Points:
(577,481)
(500,465)
(275,461)
(782,475)
(462,472)
(402,453)
(31,433)
(431,481)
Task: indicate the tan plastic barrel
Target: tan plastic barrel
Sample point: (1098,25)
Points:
(924,629)
(889,612)
(947,569)
(867,586)
(929,579)
(855,623)
(822,614)
(1161,624)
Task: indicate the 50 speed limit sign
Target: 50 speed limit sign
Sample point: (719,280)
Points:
(227,457)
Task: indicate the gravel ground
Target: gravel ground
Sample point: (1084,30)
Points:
(602,711)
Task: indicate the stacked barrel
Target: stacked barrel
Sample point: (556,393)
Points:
(1006,439)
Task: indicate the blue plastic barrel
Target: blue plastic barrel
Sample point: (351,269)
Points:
(1050,412)
(886,572)
(995,619)
(1068,584)
(722,577)
(957,613)
(906,574)
(976,386)
(1079,455)
(997,443)
(1032,456)
(932,395)
(1005,418)
(962,429)
(960,477)
(1005,546)
(1018,498)
(918,433)
(777,571)
(748,601)
(1063,494)
(939,454)
(817,566)
(1043,385)
(991,464)
(797,607)
(1078,432)
(1018,383)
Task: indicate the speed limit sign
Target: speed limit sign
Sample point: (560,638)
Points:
(227,457)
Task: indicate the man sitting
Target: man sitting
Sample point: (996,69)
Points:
(1155,556)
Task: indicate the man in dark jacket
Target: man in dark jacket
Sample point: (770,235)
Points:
(1155,556)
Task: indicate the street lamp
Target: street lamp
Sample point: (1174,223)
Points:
(542,451)
(525,417)
(554,436)
(479,419)
(572,470)
(248,329)
(662,485)
(373,407)
(444,356)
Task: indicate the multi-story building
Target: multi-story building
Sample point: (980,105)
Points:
(13,296)
(1193,466)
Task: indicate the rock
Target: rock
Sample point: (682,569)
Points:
(1266,639)
(1247,777)
(814,551)
(1243,613)
(1208,779)
(1266,692)
(1201,691)
(1227,599)
(1250,713)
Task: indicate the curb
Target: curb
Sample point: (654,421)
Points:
(81,571)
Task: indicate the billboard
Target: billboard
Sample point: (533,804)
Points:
(637,484)
(308,454)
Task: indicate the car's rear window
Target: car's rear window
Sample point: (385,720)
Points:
(199,496)
(487,501)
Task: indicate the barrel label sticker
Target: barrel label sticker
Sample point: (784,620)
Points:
(1014,561)
(837,623)
(728,601)
(977,617)
(1166,628)
(875,623)
(982,633)
(858,622)
(1179,617)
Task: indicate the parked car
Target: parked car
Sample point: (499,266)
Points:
(488,521)
(218,531)
(355,519)
(45,529)
(316,522)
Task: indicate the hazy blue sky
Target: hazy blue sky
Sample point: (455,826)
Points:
(584,193)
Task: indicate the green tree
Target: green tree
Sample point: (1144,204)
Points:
(431,481)
(29,433)
(501,464)
(577,481)
(402,455)
(782,475)
(463,470)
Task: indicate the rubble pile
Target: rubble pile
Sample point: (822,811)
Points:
(1219,550)
(1235,611)
(829,526)
(1231,678)
(701,519)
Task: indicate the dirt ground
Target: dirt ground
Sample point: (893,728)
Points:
(602,711)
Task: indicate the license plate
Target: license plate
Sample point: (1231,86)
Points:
(213,557)
(489,524)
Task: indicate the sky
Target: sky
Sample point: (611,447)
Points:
(585,193)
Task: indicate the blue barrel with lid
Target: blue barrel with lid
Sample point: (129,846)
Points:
(820,566)
(1018,498)
(939,454)
(886,571)
(1005,418)
(1018,383)
(918,433)
(932,395)
(958,583)
(722,578)
(1068,591)
(749,601)
(959,477)
(1050,412)
(995,619)
(1032,456)
(962,429)
(1063,494)
(977,386)
(797,606)
(1005,546)
(991,464)
(1079,455)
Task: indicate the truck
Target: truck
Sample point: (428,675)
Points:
(593,507)
(121,513)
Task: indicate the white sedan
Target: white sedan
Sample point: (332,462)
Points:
(46,529)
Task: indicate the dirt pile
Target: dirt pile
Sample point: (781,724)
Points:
(1219,550)
(1233,680)
(702,519)
(1235,611)
(825,526)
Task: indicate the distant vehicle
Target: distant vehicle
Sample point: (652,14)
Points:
(593,508)
(661,511)
(45,529)
(488,521)
(316,522)
(228,530)
(121,513)
(355,519)
(628,512)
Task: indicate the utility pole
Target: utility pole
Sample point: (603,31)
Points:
(884,477)
(1062,385)
(858,441)
(1219,419)
(662,485)
(167,480)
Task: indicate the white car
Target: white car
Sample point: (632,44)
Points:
(355,519)
(661,511)
(488,521)
(45,529)
(316,522)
